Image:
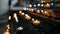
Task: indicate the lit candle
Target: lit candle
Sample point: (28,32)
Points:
(38,11)
(42,5)
(15,15)
(23,13)
(42,1)
(47,5)
(38,4)
(27,17)
(30,5)
(20,12)
(34,5)
(42,11)
(32,10)
(32,19)
(25,8)
(36,22)
(9,18)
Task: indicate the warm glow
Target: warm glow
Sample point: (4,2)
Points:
(15,15)
(9,18)
(38,11)
(42,5)
(45,12)
(30,5)
(32,19)
(20,12)
(34,5)
(23,13)
(6,32)
(32,10)
(27,17)
(42,11)
(36,22)
(47,5)
(8,26)
(42,1)
(25,8)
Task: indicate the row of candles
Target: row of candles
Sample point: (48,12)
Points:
(36,22)
(41,5)
(26,16)
(38,11)
(7,29)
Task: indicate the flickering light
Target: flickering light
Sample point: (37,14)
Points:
(15,15)
(42,1)
(36,22)
(32,10)
(42,11)
(38,4)
(30,5)
(23,13)
(42,5)
(20,12)
(45,12)
(51,3)
(9,18)
(27,17)
(34,5)
(8,25)
(6,32)
(47,5)
(38,11)
(32,19)
(25,8)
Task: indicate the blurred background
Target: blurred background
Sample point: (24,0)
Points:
(49,9)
